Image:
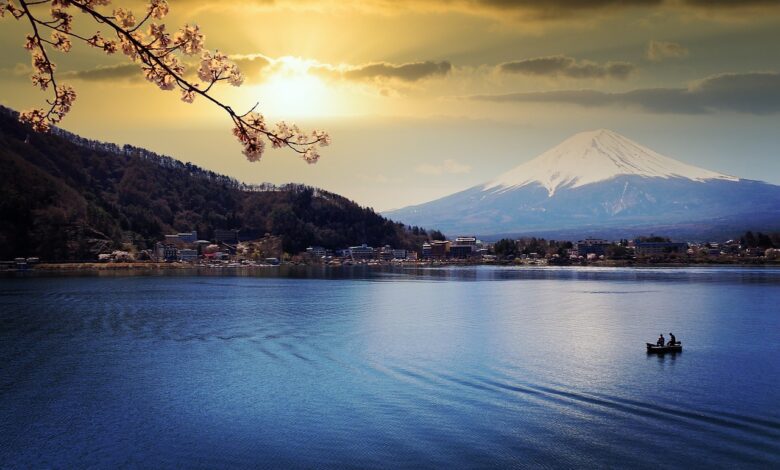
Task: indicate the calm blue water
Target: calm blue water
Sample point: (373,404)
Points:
(465,367)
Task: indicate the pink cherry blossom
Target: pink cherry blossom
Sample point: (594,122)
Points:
(160,56)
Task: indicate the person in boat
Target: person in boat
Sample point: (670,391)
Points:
(672,339)
(661,340)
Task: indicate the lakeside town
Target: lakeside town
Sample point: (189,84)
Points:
(228,248)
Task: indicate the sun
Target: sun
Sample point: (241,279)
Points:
(293,91)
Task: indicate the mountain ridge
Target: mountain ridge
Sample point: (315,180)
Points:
(63,197)
(587,185)
(593,156)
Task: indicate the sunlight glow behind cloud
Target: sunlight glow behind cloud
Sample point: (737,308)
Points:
(381,75)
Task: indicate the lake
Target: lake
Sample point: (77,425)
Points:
(414,368)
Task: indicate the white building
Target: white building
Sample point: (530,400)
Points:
(465,240)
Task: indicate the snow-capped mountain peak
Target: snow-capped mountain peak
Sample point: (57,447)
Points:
(593,156)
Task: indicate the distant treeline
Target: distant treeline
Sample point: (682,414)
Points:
(760,240)
(528,245)
(65,197)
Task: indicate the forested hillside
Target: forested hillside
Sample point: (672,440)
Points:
(63,197)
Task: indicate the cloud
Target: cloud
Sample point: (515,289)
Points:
(253,66)
(106,73)
(378,71)
(559,65)
(257,67)
(18,70)
(550,9)
(658,51)
(447,167)
(546,10)
(749,93)
(729,4)
(541,8)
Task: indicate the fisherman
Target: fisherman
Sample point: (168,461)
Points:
(672,339)
(661,340)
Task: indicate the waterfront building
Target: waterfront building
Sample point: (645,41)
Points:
(169,253)
(399,253)
(361,252)
(165,252)
(462,251)
(385,253)
(188,237)
(427,251)
(188,255)
(440,249)
(464,247)
(182,238)
(663,248)
(594,246)
(316,251)
(466,240)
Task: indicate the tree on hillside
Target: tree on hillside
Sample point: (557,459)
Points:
(436,235)
(533,245)
(162,59)
(505,247)
(617,252)
(757,240)
(654,239)
(748,240)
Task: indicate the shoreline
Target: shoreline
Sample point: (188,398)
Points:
(90,267)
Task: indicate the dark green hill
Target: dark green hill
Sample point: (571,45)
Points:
(63,197)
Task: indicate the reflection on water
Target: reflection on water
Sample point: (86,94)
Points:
(449,367)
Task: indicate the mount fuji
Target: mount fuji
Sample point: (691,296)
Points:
(600,183)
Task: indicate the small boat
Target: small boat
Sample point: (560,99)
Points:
(653,349)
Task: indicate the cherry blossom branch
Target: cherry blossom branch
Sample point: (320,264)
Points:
(43,77)
(156,51)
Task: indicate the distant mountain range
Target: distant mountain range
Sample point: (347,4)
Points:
(599,183)
(63,197)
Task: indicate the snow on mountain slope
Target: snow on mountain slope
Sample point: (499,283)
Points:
(601,181)
(593,156)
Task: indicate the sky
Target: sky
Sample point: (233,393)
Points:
(428,97)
